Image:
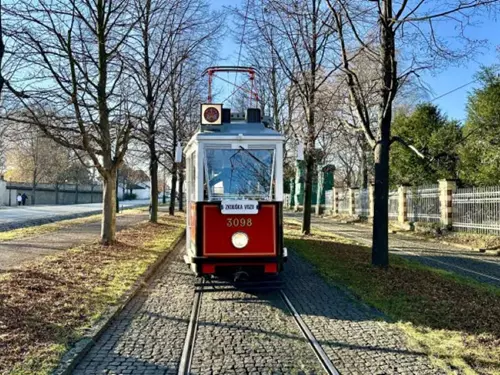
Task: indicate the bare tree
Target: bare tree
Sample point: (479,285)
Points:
(299,38)
(76,81)
(401,39)
(168,34)
(34,158)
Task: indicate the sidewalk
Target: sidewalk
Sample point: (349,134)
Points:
(479,266)
(16,252)
(18,217)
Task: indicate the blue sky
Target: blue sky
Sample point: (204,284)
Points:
(439,82)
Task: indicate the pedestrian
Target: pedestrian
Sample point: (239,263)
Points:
(24,198)
(19,199)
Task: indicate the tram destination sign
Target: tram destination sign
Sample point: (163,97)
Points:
(239,207)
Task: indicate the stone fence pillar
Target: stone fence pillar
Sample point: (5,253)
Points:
(371,201)
(402,207)
(335,200)
(446,189)
(4,198)
(352,201)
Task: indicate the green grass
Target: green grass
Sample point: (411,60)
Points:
(451,318)
(46,306)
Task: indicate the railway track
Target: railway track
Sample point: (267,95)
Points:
(276,286)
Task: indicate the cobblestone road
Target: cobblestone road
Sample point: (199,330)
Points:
(241,333)
(250,333)
(481,267)
(148,336)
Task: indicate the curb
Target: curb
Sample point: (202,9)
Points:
(71,359)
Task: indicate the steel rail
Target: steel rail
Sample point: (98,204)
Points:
(315,345)
(188,349)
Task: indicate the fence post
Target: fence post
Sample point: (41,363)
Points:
(352,201)
(335,200)
(371,201)
(446,190)
(402,206)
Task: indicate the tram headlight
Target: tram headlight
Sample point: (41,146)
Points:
(239,240)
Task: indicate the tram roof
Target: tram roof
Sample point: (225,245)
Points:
(254,130)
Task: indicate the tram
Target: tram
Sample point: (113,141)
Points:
(234,193)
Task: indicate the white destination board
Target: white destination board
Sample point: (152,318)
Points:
(239,207)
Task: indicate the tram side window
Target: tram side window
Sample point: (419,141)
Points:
(239,173)
(192,177)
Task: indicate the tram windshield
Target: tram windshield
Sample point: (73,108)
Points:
(239,173)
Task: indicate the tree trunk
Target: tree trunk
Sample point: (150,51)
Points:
(380,245)
(364,166)
(153,200)
(173,190)
(181,189)
(306,218)
(108,227)
(33,189)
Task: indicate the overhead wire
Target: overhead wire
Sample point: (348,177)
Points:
(247,6)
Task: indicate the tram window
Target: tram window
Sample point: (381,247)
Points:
(192,177)
(239,173)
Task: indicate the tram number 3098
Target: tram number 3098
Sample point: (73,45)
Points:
(236,222)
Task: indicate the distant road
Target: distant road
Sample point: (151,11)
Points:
(15,217)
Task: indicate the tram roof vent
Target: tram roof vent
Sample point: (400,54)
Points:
(226,115)
(253,115)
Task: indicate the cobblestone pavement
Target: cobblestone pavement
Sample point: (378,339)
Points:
(148,336)
(16,252)
(242,333)
(481,267)
(249,333)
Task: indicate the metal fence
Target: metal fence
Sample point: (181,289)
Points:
(343,201)
(393,205)
(477,210)
(423,204)
(362,202)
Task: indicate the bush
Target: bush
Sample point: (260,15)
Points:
(129,197)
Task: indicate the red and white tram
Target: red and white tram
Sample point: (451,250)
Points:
(234,176)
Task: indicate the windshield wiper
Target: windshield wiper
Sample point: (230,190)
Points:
(253,156)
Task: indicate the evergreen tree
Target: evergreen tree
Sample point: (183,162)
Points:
(480,155)
(430,132)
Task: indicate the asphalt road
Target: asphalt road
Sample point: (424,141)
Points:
(15,217)
(481,267)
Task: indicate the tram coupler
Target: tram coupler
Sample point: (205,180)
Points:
(241,276)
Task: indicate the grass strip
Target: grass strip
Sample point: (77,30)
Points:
(46,306)
(36,230)
(453,319)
